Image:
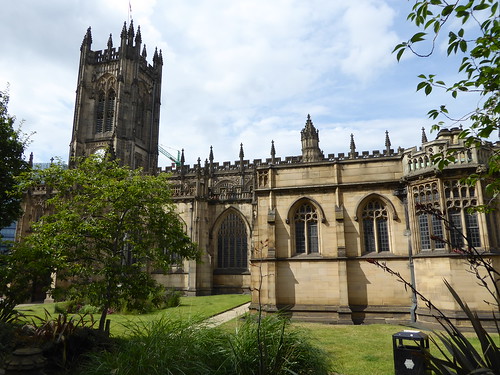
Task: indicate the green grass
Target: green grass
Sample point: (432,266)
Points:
(354,349)
(357,350)
(165,346)
(362,349)
(191,308)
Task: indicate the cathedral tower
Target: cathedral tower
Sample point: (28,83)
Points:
(117,104)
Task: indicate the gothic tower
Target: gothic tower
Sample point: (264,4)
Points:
(117,104)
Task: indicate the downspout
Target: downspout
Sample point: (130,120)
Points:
(402,194)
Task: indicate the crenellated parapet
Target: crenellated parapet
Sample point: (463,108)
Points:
(235,181)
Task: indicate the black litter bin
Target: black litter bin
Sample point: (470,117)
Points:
(410,348)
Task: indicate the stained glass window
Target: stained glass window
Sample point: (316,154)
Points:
(232,246)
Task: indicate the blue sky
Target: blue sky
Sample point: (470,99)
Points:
(235,71)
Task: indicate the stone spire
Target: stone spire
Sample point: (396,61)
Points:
(242,167)
(123,34)
(273,153)
(87,40)
(424,136)
(352,147)
(310,143)
(138,38)
(144,53)
(198,168)
(211,161)
(183,170)
(131,33)
(242,154)
(110,42)
(387,143)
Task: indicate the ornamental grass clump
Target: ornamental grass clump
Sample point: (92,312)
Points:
(168,346)
(163,346)
(271,346)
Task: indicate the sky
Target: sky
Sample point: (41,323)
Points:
(235,71)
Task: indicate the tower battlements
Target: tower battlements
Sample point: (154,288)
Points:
(118,101)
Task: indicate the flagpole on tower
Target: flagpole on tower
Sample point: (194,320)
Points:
(129,11)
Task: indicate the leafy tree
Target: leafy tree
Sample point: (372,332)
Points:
(12,145)
(109,225)
(20,270)
(473,28)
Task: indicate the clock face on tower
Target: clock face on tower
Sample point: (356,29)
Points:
(100,152)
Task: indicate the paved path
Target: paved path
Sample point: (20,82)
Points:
(216,320)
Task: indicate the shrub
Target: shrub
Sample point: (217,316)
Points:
(7,331)
(162,346)
(172,298)
(272,346)
(64,338)
(188,347)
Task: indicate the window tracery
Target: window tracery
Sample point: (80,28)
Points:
(306,229)
(375,226)
(232,243)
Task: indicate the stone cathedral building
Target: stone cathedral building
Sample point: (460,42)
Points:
(296,232)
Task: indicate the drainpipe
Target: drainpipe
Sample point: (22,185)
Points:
(403,196)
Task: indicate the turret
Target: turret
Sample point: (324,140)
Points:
(273,153)
(387,143)
(87,41)
(352,148)
(310,143)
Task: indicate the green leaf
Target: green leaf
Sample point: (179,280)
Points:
(447,10)
(481,6)
(400,53)
(418,37)
(400,45)
(463,45)
(429,23)
(437,27)
(421,85)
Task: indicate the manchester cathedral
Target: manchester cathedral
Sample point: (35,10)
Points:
(299,233)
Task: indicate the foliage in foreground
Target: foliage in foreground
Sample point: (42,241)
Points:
(12,145)
(473,30)
(64,339)
(458,354)
(183,347)
(107,227)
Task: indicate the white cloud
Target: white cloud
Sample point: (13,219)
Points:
(246,71)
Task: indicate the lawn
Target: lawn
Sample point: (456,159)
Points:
(354,349)
(190,308)
(357,349)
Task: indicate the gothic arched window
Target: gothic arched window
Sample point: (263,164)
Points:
(232,246)
(110,110)
(430,227)
(462,222)
(100,112)
(306,229)
(105,111)
(375,227)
